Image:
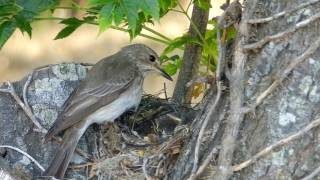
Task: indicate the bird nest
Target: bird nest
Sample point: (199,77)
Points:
(142,143)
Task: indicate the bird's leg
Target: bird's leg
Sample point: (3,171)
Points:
(26,108)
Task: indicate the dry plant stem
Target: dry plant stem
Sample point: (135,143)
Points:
(213,107)
(231,131)
(203,128)
(266,39)
(24,153)
(144,169)
(311,176)
(278,144)
(28,111)
(283,74)
(204,165)
(281,14)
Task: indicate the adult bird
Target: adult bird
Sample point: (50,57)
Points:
(111,87)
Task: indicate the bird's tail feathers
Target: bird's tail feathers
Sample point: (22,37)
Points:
(59,164)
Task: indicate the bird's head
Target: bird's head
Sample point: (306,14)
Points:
(145,58)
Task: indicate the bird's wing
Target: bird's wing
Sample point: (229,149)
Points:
(92,95)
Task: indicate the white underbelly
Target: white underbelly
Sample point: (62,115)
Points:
(128,99)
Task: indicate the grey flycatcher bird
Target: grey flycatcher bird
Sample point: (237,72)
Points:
(111,87)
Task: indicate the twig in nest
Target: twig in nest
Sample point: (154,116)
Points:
(281,35)
(165,91)
(24,153)
(312,175)
(204,165)
(278,144)
(281,14)
(144,169)
(283,74)
(10,89)
(79,166)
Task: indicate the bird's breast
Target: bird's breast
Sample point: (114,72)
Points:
(128,99)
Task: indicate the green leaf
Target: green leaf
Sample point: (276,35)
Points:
(118,14)
(150,7)
(6,30)
(25,10)
(66,31)
(71,21)
(131,9)
(23,25)
(105,17)
(165,5)
(176,43)
(203,4)
(96,2)
(170,68)
(9,9)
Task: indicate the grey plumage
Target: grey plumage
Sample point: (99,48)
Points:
(111,87)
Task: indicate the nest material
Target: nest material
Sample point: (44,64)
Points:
(143,143)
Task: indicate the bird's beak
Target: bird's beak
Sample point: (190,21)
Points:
(163,73)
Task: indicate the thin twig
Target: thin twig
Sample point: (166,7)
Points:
(28,112)
(266,39)
(24,153)
(204,165)
(313,174)
(281,14)
(278,144)
(144,169)
(165,91)
(80,166)
(283,74)
(213,107)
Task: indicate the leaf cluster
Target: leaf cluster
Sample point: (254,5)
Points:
(19,14)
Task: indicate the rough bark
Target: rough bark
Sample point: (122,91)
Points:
(191,57)
(293,104)
(289,107)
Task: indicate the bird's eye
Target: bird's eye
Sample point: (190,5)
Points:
(152,58)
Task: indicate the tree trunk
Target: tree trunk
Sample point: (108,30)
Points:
(280,100)
(191,57)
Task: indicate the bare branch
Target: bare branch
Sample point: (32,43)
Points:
(236,115)
(281,14)
(204,165)
(312,175)
(28,111)
(220,67)
(278,144)
(283,74)
(281,35)
(24,153)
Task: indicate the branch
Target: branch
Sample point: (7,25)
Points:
(10,89)
(195,171)
(24,153)
(280,14)
(282,75)
(281,35)
(204,165)
(278,144)
(312,175)
(231,131)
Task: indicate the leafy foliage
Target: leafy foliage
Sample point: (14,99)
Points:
(19,14)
